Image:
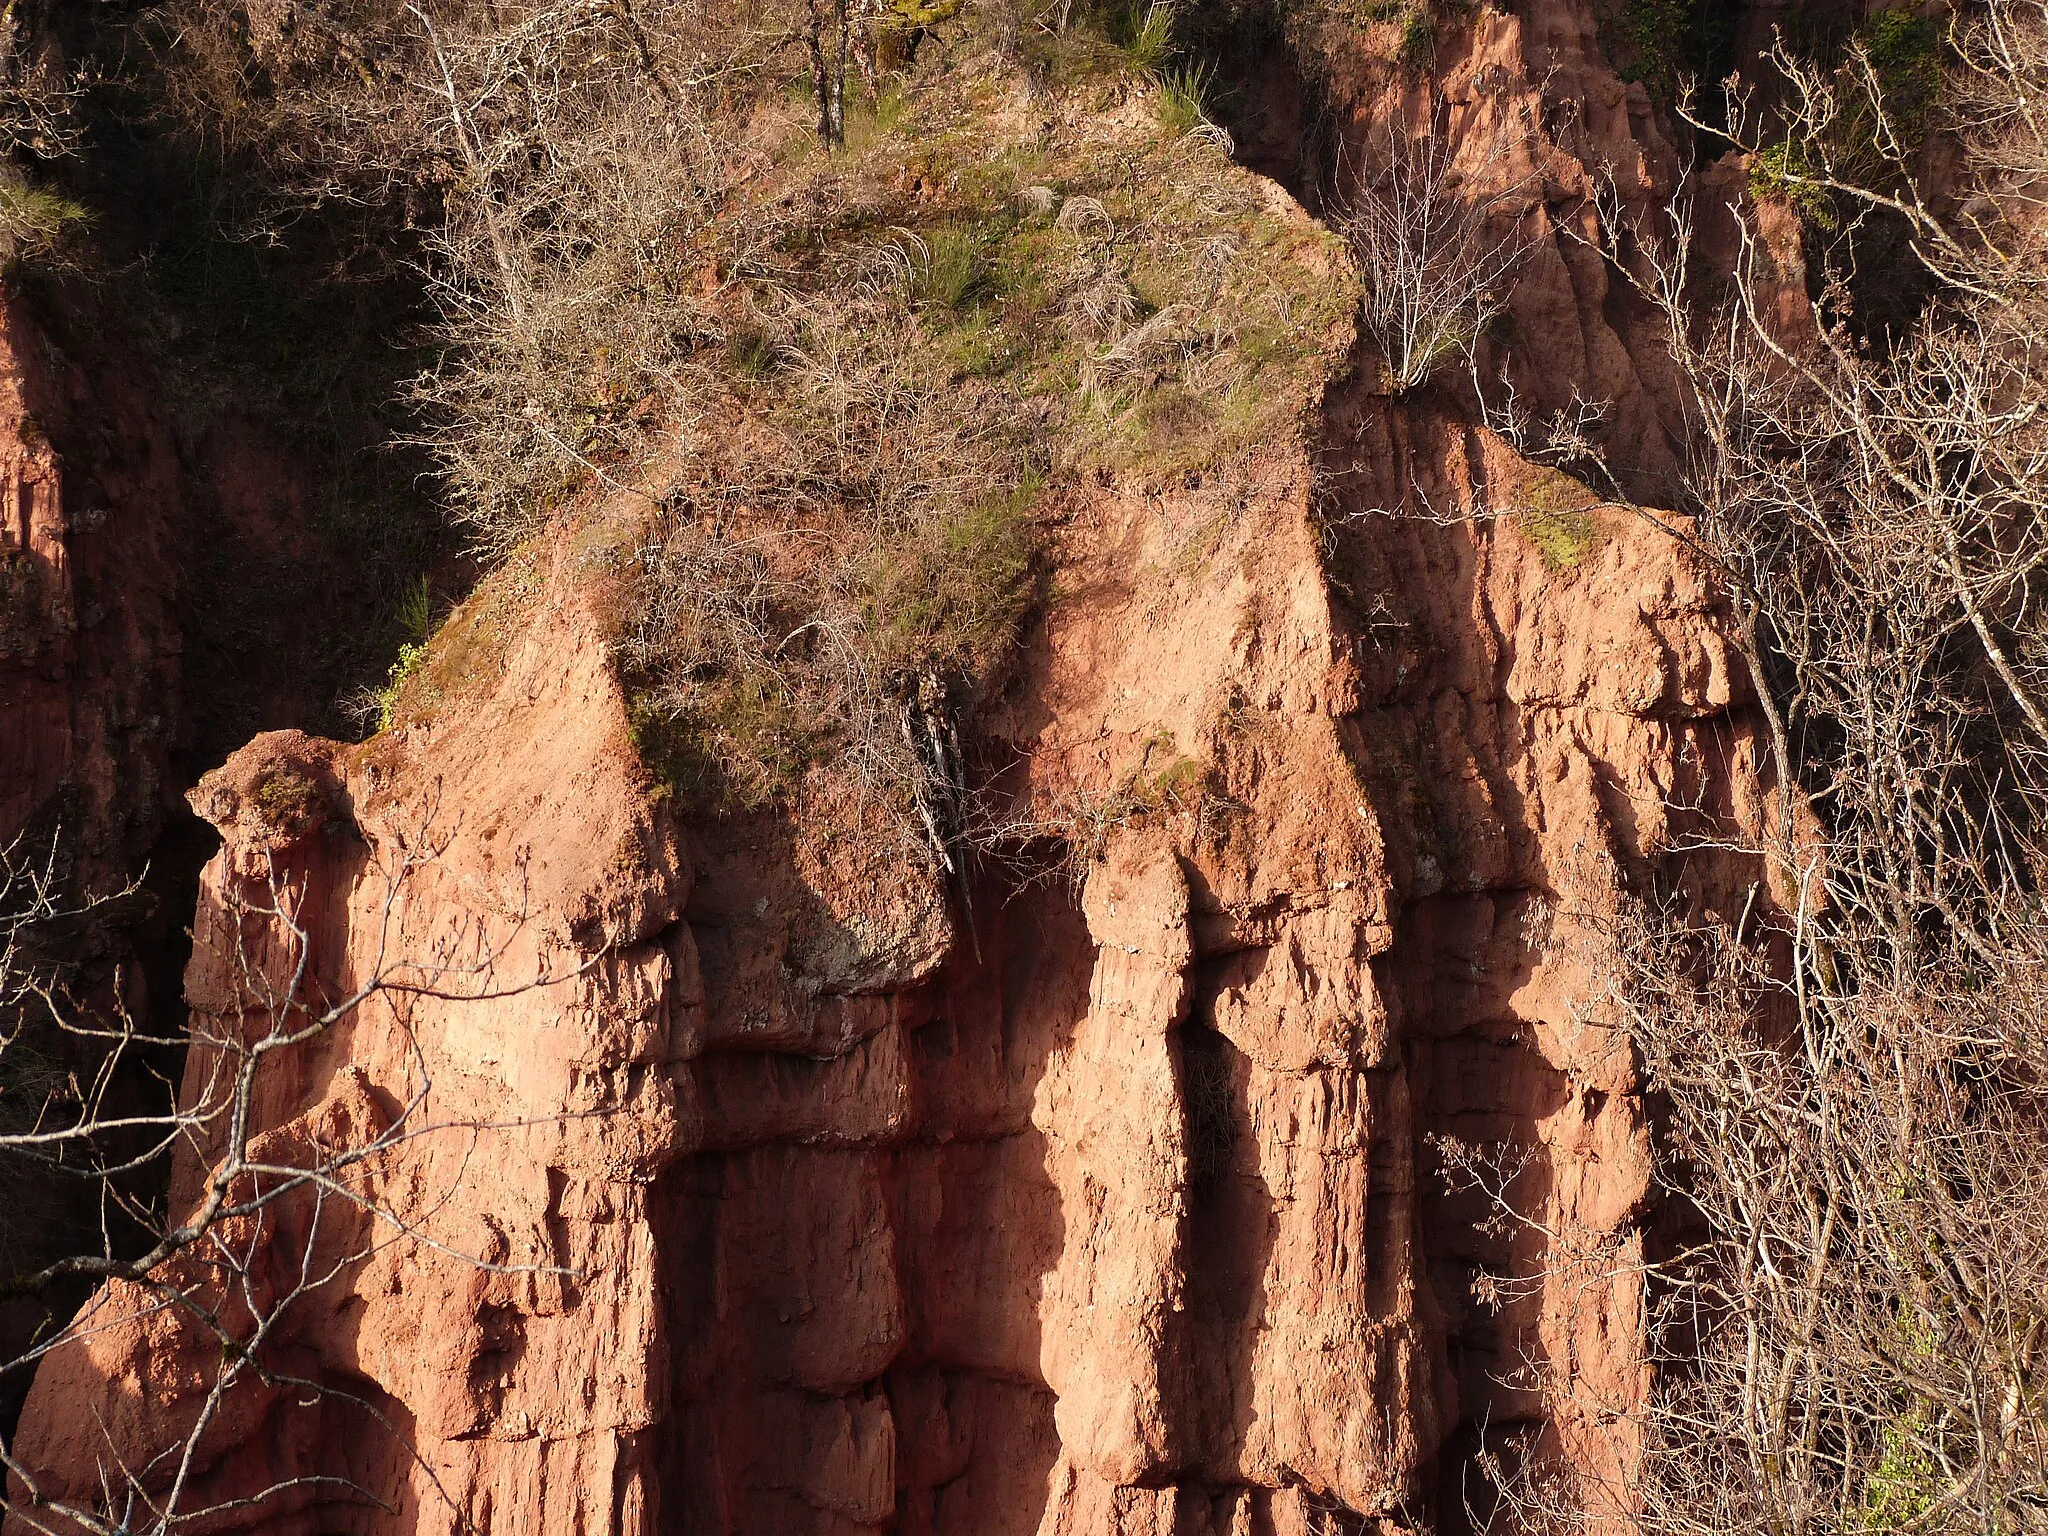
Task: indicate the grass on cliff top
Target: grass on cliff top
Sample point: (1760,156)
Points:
(1025,272)
(1004,286)
(465,654)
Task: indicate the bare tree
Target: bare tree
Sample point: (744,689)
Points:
(566,265)
(828,34)
(38,96)
(1847,1320)
(1436,226)
(548,166)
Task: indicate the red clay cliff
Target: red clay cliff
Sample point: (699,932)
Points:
(778,1185)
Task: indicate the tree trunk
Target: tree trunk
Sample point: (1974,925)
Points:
(828,38)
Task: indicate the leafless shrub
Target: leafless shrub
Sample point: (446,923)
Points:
(1862,1322)
(38,97)
(1437,237)
(566,269)
(1995,91)
(557,161)
(1848,1336)
(1846,1332)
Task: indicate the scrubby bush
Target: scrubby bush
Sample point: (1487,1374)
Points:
(1438,241)
(1846,1318)
(557,167)
(783,604)
(950,271)
(815,387)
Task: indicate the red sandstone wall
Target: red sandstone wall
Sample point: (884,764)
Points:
(1117,1213)
(869,1233)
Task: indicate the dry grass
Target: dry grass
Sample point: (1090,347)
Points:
(824,389)
(912,378)
(864,523)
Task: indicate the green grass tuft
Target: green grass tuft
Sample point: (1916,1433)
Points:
(416,610)
(870,120)
(1184,97)
(1418,41)
(752,353)
(1149,41)
(33,218)
(954,275)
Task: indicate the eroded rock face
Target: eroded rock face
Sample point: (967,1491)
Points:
(89,491)
(89,715)
(1118,1214)
(773,1188)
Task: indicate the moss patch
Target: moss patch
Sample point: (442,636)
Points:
(1660,42)
(1560,517)
(1905,50)
(289,802)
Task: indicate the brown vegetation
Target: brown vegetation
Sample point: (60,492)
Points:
(1849,1327)
(834,383)
(799,410)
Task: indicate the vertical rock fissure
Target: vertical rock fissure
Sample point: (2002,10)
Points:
(856,1252)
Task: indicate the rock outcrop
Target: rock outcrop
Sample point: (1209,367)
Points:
(756,1177)
(1118,1214)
